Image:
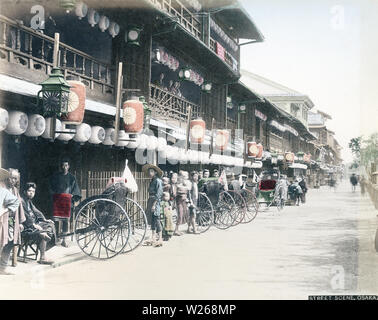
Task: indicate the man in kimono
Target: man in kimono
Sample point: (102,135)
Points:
(64,183)
(36,226)
(155,191)
(11,217)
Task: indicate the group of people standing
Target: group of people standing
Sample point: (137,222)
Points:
(22,222)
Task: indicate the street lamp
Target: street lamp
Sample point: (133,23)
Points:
(206,87)
(133,35)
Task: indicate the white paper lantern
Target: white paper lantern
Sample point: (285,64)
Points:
(152,143)
(162,152)
(83,133)
(17,124)
(121,137)
(162,143)
(93,17)
(4,119)
(109,137)
(173,154)
(134,144)
(66,136)
(143,142)
(58,127)
(182,157)
(104,23)
(36,125)
(81,10)
(114,29)
(97,135)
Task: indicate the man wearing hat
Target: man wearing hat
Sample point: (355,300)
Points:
(216,173)
(10,220)
(155,191)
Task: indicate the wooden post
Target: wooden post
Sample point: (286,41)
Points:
(55,64)
(188,127)
(118,102)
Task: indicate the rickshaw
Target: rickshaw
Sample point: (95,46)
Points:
(271,189)
(111,223)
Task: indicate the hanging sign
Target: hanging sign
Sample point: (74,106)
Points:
(260,115)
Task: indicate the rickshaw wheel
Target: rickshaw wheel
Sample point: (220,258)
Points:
(279,201)
(240,208)
(205,213)
(224,215)
(102,228)
(138,221)
(252,206)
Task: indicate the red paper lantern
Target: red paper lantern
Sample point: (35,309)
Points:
(221,139)
(289,157)
(253,150)
(76,103)
(197,131)
(133,116)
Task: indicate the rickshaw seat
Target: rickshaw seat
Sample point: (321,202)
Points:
(267,185)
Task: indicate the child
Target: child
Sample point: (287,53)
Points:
(166,216)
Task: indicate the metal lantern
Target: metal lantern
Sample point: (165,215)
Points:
(81,10)
(97,135)
(114,29)
(185,73)
(36,126)
(17,124)
(242,109)
(83,133)
(133,114)
(300,156)
(4,119)
(197,131)
(221,139)
(68,5)
(54,96)
(76,103)
(93,17)
(103,23)
(132,36)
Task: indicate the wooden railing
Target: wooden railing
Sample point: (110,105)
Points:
(33,50)
(166,105)
(228,58)
(185,17)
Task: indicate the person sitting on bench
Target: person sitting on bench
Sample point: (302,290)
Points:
(36,227)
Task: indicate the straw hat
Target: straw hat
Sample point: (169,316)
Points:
(4,174)
(146,167)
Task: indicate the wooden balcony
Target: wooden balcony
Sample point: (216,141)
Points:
(27,54)
(167,106)
(228,58)
(185,17)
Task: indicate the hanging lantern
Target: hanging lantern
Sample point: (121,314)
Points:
(54,95)
(17,124)
(253,150)
(162,143)
(156,56)
(134,144)
(122,137)
(4,119)
(97,135)
(197,131)
(221,139)
(143,142)
(300,156)
(81,10)
(36,126)
(289,157)
(242,109)
(93,17)
(76,103)
(67,5)
(114,29)
(109,137)
(133,115)
(152,143)
(206,87)
(67,134)
(184,74)
(132,35)
(83,133)
(58,127)
(103,23)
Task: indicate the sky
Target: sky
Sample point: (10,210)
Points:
(326,49)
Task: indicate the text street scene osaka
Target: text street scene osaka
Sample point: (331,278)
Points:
(152,149)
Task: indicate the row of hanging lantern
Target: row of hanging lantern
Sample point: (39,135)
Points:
(161,56)
(187,74)
(94,18)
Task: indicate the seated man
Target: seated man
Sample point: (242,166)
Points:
(36,226)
